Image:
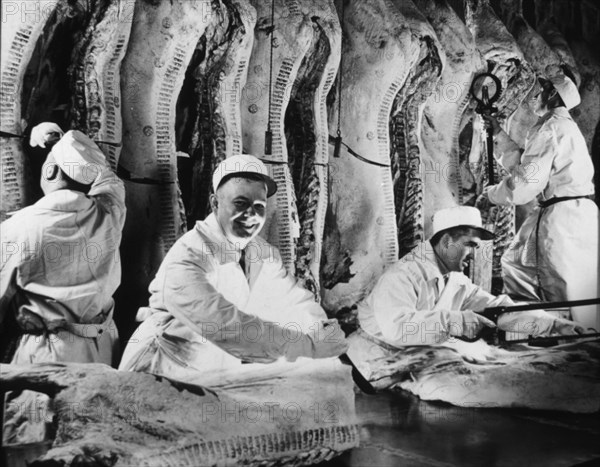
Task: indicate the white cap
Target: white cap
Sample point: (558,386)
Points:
(566,88)
(78,157)
(243,164)
(460,216)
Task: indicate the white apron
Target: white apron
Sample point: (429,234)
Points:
(560,261)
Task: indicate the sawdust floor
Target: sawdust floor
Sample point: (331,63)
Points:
(397,429)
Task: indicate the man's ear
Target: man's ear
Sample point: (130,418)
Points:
(51,171)
(445,240)
(214,202)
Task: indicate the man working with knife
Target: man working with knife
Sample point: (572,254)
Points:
(60,256)
(425,299)
(222,296)
(554,256)
(60,267)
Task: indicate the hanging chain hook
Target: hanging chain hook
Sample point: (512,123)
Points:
(269,132)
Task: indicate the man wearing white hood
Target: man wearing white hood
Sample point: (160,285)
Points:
(554,256)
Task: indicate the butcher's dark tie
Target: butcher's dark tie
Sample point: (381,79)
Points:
(243,262)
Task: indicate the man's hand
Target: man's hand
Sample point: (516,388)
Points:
(564,327)
(473,323)
(491,122)
(47,132)
(328,340)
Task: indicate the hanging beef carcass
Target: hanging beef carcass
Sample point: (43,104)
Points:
(410,163)
(537,53)
(20,33)
(208,121)
(95,75)
(448,107)
(163,38)
(382,51)
(288,37)
(104,417)
(307,135)
(62,64)
(505,60)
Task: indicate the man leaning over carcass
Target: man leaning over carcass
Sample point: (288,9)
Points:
(222,296)
(425,299)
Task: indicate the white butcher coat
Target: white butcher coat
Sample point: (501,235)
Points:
(555,163)
(60,267)
(414,304)
(206,316)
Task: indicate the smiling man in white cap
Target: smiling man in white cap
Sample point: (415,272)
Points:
(222,296)
(425,299)
(554,256)
(60,264)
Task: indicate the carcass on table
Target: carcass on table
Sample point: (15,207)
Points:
(564,378)
(105,417)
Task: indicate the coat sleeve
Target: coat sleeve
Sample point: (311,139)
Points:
(190,297)
(506,152)
(297,304)
(395,300)
(530,176)
(531,322)
(108,191)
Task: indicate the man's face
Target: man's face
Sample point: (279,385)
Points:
(240,207)
(541,93)
(456,253)
(536,100)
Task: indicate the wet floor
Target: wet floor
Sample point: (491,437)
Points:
(397,429)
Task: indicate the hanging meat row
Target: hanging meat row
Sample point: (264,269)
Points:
(168,88)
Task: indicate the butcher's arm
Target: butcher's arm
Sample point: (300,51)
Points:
(294,300)
(530,322)
(506,152)
(401,323)
(190,297)
(530,176)
(108,191)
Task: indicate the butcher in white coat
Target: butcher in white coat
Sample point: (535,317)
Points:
(425,299)
(222,297)
(554,256)
(60,267)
